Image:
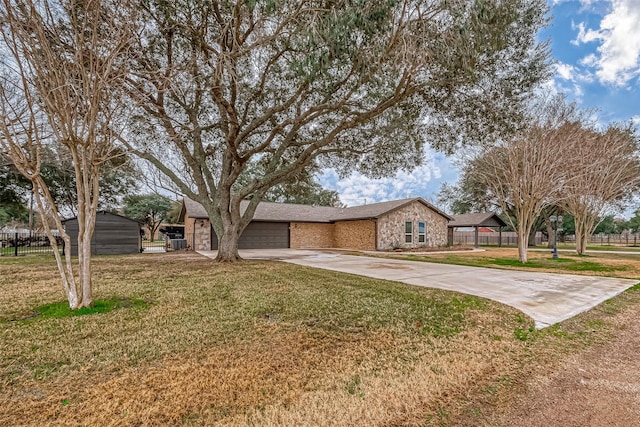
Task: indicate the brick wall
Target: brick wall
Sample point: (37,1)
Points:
(356,235)
(311,235)
(391,227)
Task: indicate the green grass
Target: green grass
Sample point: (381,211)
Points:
(275,331)
(26,250)
(559,264)
(59,310)
(216,304)
(592,247)
(173,338)
(613,248)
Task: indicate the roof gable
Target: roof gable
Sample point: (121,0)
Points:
(486,219)
(108,214)
(286,212)
(377,210)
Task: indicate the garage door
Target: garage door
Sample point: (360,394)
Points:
(261,235)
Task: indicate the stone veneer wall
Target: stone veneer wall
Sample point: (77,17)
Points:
(356,235)
(391,227)
(311,235)
(188,231)
(200,229)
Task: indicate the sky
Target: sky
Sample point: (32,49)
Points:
(596,58)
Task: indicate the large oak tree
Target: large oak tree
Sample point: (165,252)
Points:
(282,85)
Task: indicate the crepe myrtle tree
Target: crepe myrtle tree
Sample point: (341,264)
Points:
(608,162)
(283,85)
(60,68)
(526,173)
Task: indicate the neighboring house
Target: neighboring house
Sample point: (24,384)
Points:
(408,223)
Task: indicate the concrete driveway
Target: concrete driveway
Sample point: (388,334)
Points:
(547,298)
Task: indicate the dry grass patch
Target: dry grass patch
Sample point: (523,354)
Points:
(260,343)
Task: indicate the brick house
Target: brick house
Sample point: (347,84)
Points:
(407,223)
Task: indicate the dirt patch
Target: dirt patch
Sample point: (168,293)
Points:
(582,372)
(596,388)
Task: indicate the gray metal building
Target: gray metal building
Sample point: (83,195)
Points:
(113,235)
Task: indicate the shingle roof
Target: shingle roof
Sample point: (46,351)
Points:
(487,219)
(269,211)
(376,210)
(285,212)
(193,209)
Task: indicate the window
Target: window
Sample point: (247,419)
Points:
(408,232)
(422,232)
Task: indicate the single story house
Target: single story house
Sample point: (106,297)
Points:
(407,223)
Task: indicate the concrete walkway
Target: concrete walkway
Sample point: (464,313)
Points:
(547,298)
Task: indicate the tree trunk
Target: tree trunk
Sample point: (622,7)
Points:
(85,232)
(84,261)
(581,236)
(228,243)
(551,233)
(229,222)
(523,243)
(583,245)
(531,237)
(46,208)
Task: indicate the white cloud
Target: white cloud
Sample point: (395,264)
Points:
(357,189)
(565,71)
(618,55)
(636,120)
(590,60)
(584,35)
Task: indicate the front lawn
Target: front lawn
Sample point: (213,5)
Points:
(594,264)
(259,343)
(186,342)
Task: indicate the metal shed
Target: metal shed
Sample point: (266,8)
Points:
(113,235)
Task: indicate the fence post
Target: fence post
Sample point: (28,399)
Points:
(15,244)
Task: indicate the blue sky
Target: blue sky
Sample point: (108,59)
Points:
(596,53)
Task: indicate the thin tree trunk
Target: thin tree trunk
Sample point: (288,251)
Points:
(65,267)
(583,246)
(84,261)
(523,243)
(580,239)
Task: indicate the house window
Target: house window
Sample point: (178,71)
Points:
(408,232)
(422,232)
